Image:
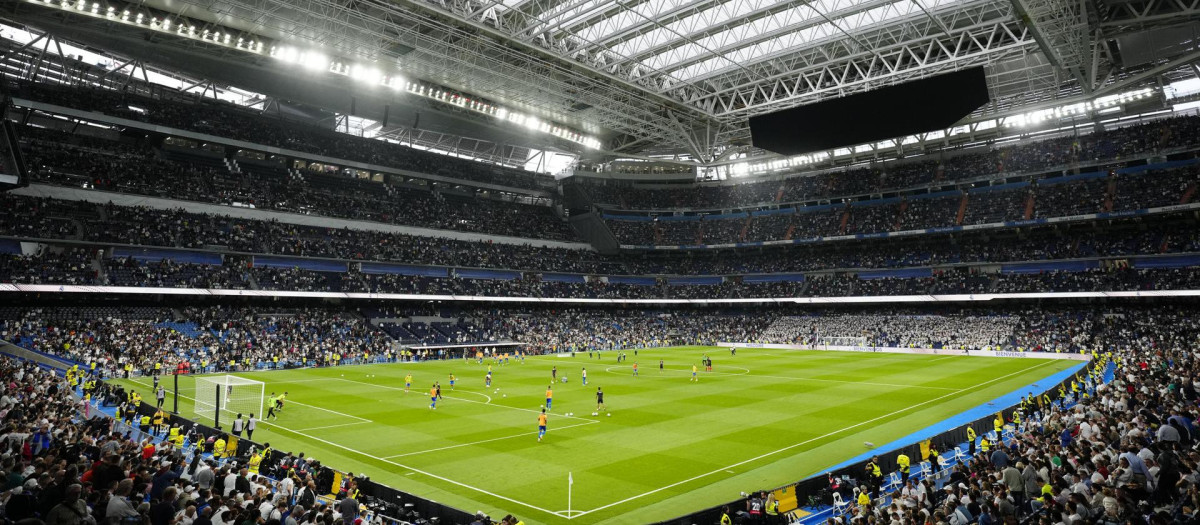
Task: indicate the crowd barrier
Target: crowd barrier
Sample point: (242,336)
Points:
(871,299)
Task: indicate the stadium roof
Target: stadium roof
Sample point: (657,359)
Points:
(680,77)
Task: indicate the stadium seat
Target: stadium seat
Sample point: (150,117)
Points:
(893,482)
(839,506)
(924,469)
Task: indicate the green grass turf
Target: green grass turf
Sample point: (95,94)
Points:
(762,419)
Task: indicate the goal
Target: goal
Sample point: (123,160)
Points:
(826,341)
(224,397)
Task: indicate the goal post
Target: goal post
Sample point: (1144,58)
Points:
(826,341)
(224,397)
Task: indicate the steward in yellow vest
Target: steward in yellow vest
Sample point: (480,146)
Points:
(905,464)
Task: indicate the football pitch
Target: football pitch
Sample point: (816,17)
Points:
(762,419)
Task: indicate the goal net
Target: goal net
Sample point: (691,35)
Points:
(826,341)
(220,399)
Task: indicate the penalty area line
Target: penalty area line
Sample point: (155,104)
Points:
(482,441)
(488,403)
(406,467)
(805,442)
(748,373)
(351,416)
(360,419)
(335,426)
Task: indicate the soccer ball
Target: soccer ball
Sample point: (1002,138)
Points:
(343,375)
(609,415)
(595,413)
(505,395)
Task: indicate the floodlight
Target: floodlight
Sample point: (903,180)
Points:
(286,54)
(313,60)
(366,74)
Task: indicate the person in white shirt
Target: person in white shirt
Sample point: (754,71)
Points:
(909,495)
(269,510)
(250,426)
(186,516)
(286,486)
(229,486)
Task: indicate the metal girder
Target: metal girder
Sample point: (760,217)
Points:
(680,77)
(125,72)
(455,56)
(892,54)
(503,154)
(764,21)
(735,58)
(1061,29)
(1146,13)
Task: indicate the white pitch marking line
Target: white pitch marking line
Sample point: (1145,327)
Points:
(336,426)
(489,398)
(748,374)
(406,467)
(422,472)
(312,380)
(523,434)
(360,419)
(805,442)
(466,400)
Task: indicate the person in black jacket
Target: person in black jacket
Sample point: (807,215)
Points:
(242,484)
(163,513)
(308,495)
